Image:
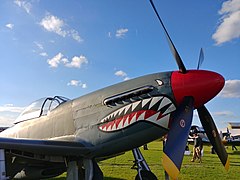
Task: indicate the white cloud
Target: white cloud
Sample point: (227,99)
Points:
(230,6)
(84,85)
(24,4)
(39,45)
(120,33)
(121,73)
(64,60)
(10,26)
(8,113)
(126,78)
(44,54)
(223,117)
(8,105)
(77,61)
(54,24)
(6,121)
(40,49)
(75,35)
(229,26)
(231,89)
(77,83)
(73,83)
(55,61)
(11,108)
(224,114)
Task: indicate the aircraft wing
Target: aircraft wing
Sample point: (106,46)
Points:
(231,142)
(225,142)
(46,147)
(204,141)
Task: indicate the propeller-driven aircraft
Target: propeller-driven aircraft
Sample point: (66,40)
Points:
(226,137)
(55,134)
(231,139)
(200,131)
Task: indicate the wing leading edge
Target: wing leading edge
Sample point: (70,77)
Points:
(46,147)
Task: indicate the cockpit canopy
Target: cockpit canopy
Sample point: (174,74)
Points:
(40,108)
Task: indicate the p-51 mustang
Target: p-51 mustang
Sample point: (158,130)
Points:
(54,135)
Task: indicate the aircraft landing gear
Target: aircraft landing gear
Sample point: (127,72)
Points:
(2,165)
(92,170)
(72,170)
(144,172)
(87,169)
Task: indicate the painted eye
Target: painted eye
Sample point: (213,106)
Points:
(160,83)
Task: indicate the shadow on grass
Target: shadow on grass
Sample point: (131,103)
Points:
(233,164)
(234,152)
(111,178)
(105,178)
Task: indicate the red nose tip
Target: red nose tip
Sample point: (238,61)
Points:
(202,85)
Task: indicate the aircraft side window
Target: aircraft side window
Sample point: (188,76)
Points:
(45,107)
(40,108)
(49,105)
(54,103)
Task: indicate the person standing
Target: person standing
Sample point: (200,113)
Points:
(145,147)
(197,148)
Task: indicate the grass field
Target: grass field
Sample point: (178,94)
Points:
(119,168)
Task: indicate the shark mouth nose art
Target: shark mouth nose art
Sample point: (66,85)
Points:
(156,110)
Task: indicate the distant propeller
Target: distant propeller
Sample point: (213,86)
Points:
(213,135)
(174,51)
(201,59)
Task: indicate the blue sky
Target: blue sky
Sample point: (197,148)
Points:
(74,47)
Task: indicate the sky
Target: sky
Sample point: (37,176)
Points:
(74,47)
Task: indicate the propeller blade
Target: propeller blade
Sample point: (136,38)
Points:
(213,135)
(201,58)
(174,51)
(177,138)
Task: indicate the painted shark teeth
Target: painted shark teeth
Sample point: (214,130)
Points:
(154,101)
(145,101)
(134,105)
(155,110)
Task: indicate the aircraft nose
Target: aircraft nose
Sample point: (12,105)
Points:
(200,84)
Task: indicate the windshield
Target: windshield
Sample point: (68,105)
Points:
(40,108)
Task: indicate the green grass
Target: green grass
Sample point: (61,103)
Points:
(119,168)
